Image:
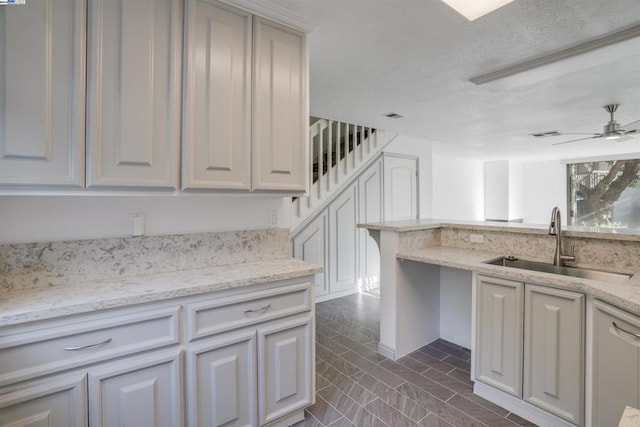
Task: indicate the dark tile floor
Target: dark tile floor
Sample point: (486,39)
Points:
(355,386)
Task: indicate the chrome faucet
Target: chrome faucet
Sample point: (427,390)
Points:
(555,229)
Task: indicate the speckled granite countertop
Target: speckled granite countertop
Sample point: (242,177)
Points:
(511,227)
(625,295)
(25,305)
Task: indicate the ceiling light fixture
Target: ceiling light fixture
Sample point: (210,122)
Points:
(474,9)
(593,44)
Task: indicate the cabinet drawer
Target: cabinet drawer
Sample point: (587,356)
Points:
(222,314)
(28,352)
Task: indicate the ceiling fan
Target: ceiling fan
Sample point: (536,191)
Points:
(611,131)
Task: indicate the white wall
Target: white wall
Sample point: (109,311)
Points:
(545,186)
(46,218)
(455,306)
(458,188)
(422,149)
(496,190)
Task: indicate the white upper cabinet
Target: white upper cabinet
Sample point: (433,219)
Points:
(280,108)
(241,125)
(245,102)
(216,147)
(42,80)
(134,63)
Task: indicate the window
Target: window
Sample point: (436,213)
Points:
(604,194)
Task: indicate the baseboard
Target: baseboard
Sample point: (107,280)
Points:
(386,351)
(519,407)
(288,420)
(335,295)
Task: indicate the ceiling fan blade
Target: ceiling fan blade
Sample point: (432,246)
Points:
(579,139)
(579,133)
(624,137)
(633,126)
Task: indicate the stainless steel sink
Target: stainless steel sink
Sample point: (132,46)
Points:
(583,273)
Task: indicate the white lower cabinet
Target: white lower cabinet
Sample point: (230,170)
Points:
(530,343)
(139,391)
(250,357)
(554,351)
(249,362)
(616,363)
(57,401)
(285,355)
(223,381)
(498,351)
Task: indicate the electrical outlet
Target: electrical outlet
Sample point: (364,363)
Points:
(273,218)
(476,238)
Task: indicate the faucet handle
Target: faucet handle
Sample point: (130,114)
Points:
(570,257)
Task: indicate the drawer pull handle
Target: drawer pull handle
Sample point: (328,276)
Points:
(618,328)
(84,347)
(256,310)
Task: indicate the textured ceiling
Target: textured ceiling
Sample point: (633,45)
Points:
(415,57)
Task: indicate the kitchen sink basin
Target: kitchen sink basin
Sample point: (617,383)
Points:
(582,273)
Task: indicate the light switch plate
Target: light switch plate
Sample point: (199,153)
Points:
(136,225)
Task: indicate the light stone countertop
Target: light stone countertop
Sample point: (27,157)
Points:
(625,295)
(27,305)
(630,417)
(512,227)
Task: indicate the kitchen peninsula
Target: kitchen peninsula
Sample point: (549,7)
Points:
(437,280)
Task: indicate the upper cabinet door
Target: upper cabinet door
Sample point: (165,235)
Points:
(42,62)
(216,147)
(133,129)
(280,108)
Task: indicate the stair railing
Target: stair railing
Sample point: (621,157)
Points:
(338,150)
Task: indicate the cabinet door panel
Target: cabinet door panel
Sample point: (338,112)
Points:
(56,401)
(616,363)
(285,366)
(141,391)
(222,388)
(280,130)
(499,334)
(400,188)
(134,93)
(312,245)
(343,236)
(217,106)
(42,61)
(370,210)
(554,351)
